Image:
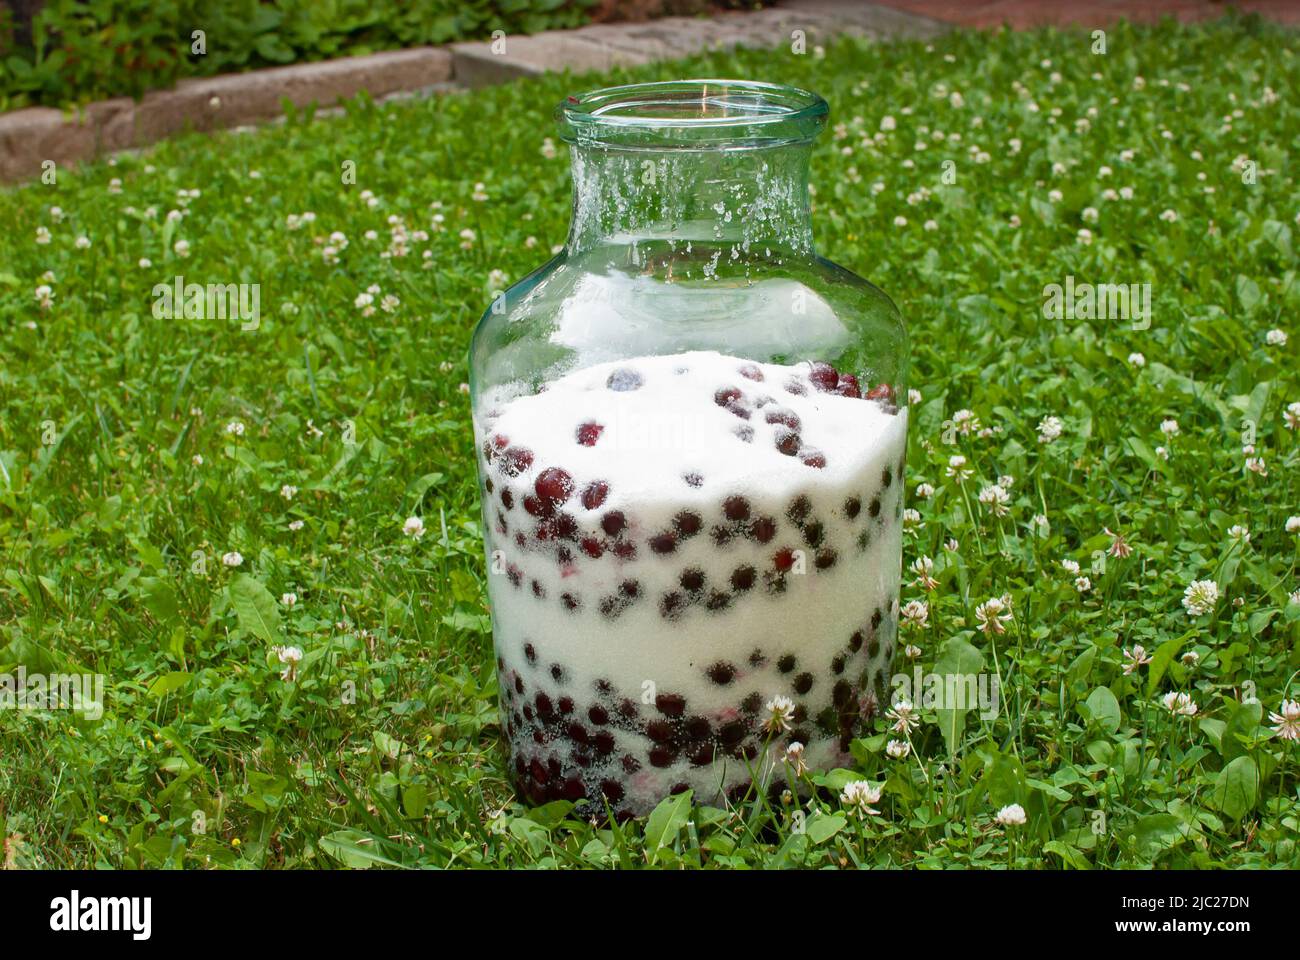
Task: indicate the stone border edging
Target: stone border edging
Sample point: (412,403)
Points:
(34,136)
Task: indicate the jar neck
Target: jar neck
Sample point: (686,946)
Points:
(753,200)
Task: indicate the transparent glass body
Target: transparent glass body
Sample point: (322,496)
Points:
(691,432)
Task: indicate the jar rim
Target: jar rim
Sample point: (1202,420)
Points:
(692,114)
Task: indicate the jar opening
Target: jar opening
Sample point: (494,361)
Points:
(692,114)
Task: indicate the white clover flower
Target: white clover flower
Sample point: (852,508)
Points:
(996,499)
(861,796)
(915,614)
(82,242)
(290,657)
(780,714)
(1256,465)
(1135,658)
(966,421)
(914,397)
(1200,597)
(1292,416)
(235,428)
(1293,524)
(1169,427)
(912,519)
(1082,584)
(1084,236)
(56,214)
(1055,196)
(924,491)
(1049,429)
(288,491)
(992,615)
(887,123)
(390,303)
(957,468)
(794,755)
(1179,704)
(42,235)
(44,296)
(413,528)
(1090,215)
(288,599)
(1119,546)
(1275,338)
(1012,815)
(145,263)
(232,559)
(295,524)
(1162,453)
(1137,360)
(900,221)
(1070,566)
(912,651)
(1240,533)
(898,749)
(1014,221)
(181,248)
(197,459)
(923,567)
(1169,216)
(1191,658)
(903,716)
(1286,722)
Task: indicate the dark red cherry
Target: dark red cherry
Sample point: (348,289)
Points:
(763,529)
(735,508)
(848,386)
(786,417)
(594,495)
(588,433)
(743,578)
(663,542)
(823,376)
(554,485)
(516,460)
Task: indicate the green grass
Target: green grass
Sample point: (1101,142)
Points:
(205,756)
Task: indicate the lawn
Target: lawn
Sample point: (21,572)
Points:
(183,498)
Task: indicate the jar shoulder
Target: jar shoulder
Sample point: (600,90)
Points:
(574,310)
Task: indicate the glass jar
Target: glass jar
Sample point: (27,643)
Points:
(691,433)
